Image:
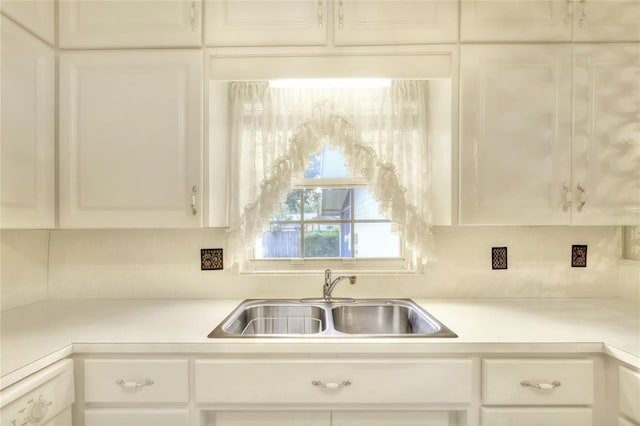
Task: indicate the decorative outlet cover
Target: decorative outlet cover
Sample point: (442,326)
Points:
(211,259)
(498,258)
(579,256)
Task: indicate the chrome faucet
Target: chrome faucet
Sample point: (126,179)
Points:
(329,285)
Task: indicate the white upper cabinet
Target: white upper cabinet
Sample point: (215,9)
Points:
(27,161)
(517,20)
(266,22)
(515,134)
(105,24)
(361,22)
(606,134)
(130,139)
(35,15)
(550,20)
(306,22)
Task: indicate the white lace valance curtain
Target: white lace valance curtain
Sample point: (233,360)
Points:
(382,133)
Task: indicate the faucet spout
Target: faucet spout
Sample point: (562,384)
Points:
(329,284)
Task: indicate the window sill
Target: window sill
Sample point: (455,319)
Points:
(315,266)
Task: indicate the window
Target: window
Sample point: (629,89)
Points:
(328,215)
(329,174)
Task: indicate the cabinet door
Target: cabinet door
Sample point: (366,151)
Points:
(390,418)
(270,418)
(35,15)
(515,134)
(358,22)
(136,417)
(606,20)
(606,135)
(518,20)
(266,22)
(27,196)
(130,139)
(155,23)
(520,416)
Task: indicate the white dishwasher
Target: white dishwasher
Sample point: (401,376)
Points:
(43,398)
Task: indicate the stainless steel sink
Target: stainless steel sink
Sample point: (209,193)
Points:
(335,318)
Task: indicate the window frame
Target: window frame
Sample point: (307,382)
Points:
(314,265)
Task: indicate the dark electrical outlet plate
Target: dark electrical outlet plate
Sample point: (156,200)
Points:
(211,259)
(498,258)
(579,256)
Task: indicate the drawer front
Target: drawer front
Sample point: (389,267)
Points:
(135,417)
(535,417)
(353,381)
(629,392)
(116,380)
(502,381)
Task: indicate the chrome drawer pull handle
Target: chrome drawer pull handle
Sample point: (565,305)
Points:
(331,385)
(542,386)
(133,385)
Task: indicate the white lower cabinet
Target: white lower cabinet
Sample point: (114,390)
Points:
(629,394)
(535,416)
(537,392)
(135,417)
(270,418)
(321,381)
(391,418)
(136,392)
(342,390)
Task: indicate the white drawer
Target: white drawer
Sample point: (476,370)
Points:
(135,417)
(629,392)
(535,417)
(370,381)
(502,381)
(126,380)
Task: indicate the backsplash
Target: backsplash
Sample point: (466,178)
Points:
(166,264)
(23,268)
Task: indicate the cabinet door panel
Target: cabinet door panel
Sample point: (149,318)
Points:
(515,134)
(395,22)
(266,22)
(271,418)
(130,139)
(99,23)
(390,418)
(606,134)
(606,20)
(519,416)
(35,15)
(135,417)
(28,137)
(519,20)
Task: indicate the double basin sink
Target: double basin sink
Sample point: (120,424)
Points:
(334,318)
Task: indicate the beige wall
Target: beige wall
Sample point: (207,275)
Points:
(23,267)
(165,264)
(629,279)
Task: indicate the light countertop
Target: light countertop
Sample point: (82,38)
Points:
(34,336)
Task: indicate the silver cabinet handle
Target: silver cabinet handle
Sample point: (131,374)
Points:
(569,15)
(192,16)
(567,197)
(583,196)
(331,385)
(194,190)
(320,16)
(132,384)
(340,14)
(542,386)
